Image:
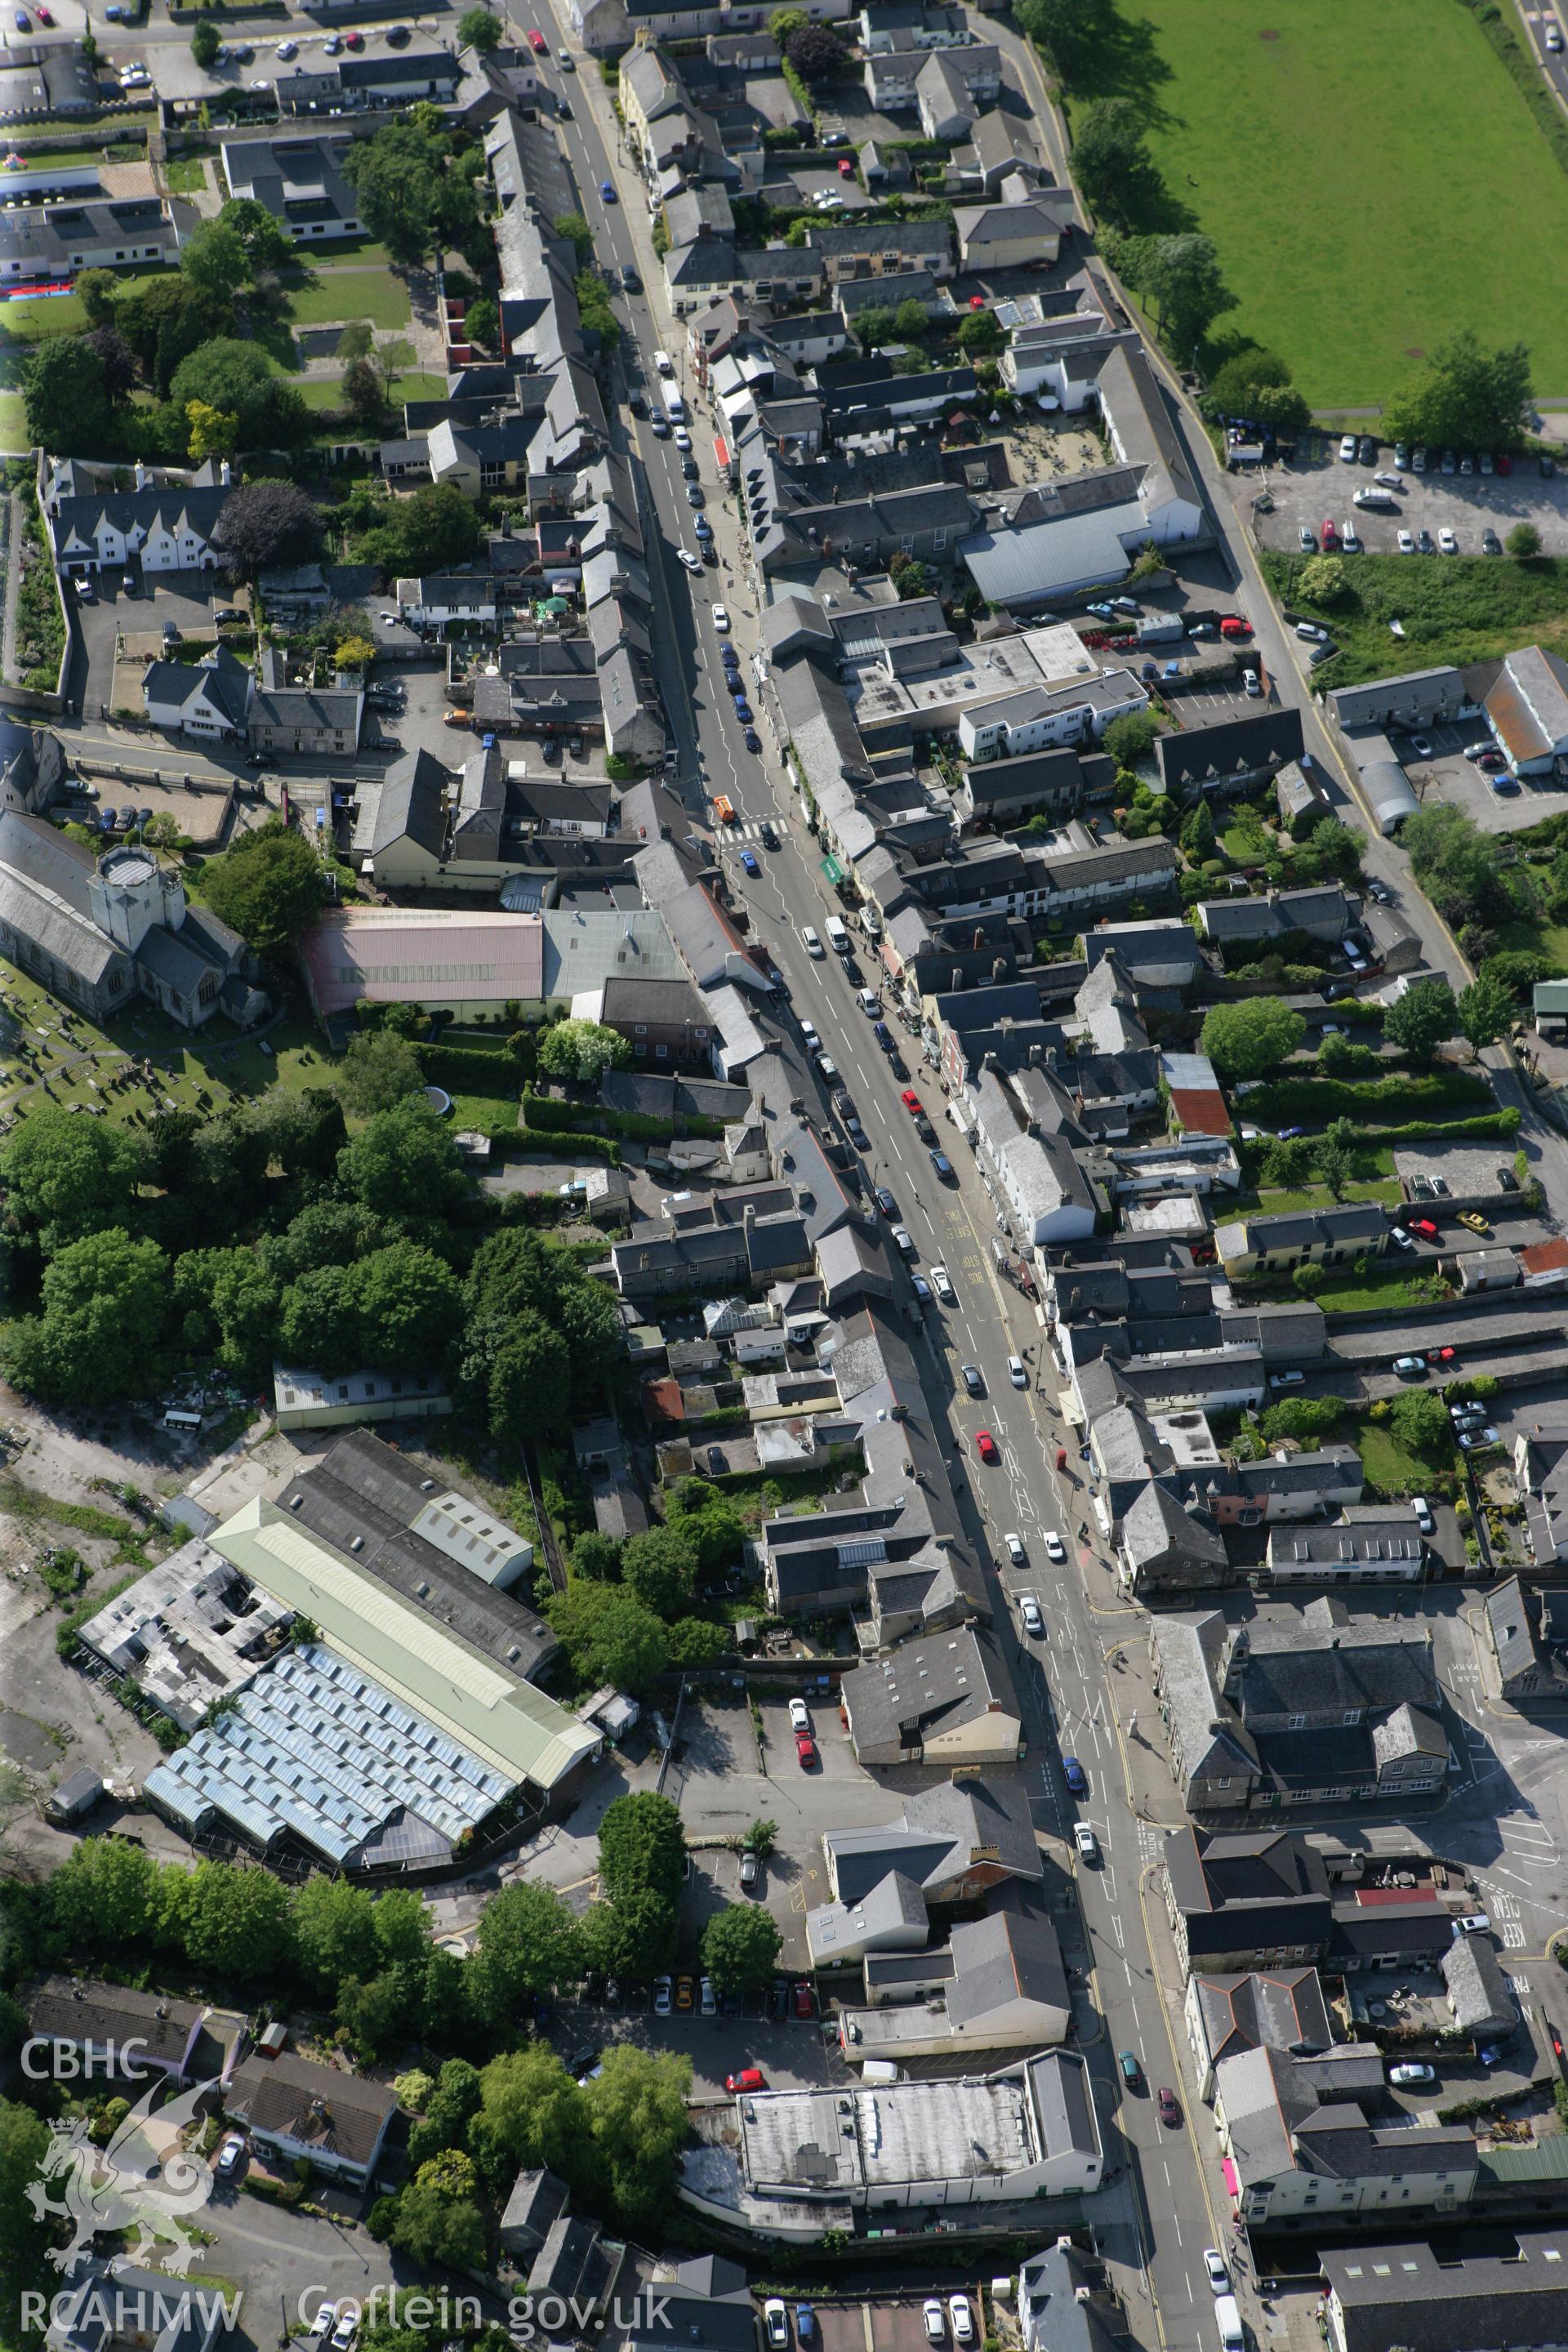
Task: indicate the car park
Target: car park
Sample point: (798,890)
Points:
(1309,540)
(799,1715)
(1407,543)
(322,2324)
(1350,538)
(346,2328)
(751,1870)
(1086,1842)
(805,2322)
(1446,541)
(1029,1613)
(663,1996)
(1347,450)
(805,2001)
(1368,450)
(1424,542)
(1330,536)
(1490,544)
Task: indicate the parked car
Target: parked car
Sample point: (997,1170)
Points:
(1219,2277)
(1166,2100)
(775,2319)
(1446,541)
(805,1754)
(751,1870)
(1014,1546)
(1424,1226)
(1347,450)
(963,2319)
(750,2078)
(663,1996)
(323,2325)
(1410,1367)
(232,2150)
(799,1715)
(1017,1374)
(931,2320)
(1412,2070)
(805,2322)
(1406,543)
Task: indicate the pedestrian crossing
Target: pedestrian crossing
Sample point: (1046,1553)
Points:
(748,829)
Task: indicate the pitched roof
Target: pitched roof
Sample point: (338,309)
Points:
(322,2107)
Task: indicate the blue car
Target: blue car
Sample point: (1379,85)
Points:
(805,2322)
(943,1166)
(1103,611)
(1073,1774)
(744,712)
(607,192)
(736,684)
(1506,787)
(753,742)
(749,862)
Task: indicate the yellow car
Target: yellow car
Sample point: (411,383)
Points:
(457,717)
(683,1993)
(1474,1219)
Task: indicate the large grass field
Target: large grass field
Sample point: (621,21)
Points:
(1370,174)
(344,294)
(1456,608)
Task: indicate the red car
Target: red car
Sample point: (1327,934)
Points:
(911,1100)
(750,2078)
(1442,1355)
(1330,534)
(804,1750)
(353,40)
(1170,2113)
(1422,1225)
(985,1445)
(536,42)
(1504,463)
(1234,627)
(804,2002)
(845,168)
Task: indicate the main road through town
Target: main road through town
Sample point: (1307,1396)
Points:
(1163,2206)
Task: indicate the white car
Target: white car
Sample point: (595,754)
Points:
(1029,1610)
(1474,1923)
(1347,450)
(1015,1552)
(1477,751)
(1412,2071)
(809,1038)
(1554,37)
(693,562)
(721,620)
(1220,2277)
(941,1285)
(1056,1549)
(931,2320)
(323,2322)
(799,1715)
(903,1241)
(1252,685)
(1446,541)
(347,2328)
(1423,1511)
(775,2318)
(963,2319)
(286,49)
(1015,1372)
(1350,538)
(663,1996)
(709,1997)
(230,2153)
(1087,1844)
(814,946)
(682,438)
(1406,544)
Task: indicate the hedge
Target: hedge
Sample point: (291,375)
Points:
(1296,1099)
(569,1146)
(546,1113)
(469,1069)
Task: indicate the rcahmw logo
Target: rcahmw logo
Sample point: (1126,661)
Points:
(109,2310)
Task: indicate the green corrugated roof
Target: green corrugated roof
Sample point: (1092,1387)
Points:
(1547,2160)
(478,1703)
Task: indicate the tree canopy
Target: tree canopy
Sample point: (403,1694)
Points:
(268,888)
(267,522)
(741,1946)
(1421,1019)
(581,1050)
(1111,159)
(1251,1037)
(609,1636)
(1464,395)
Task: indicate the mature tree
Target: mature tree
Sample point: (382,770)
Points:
(1421,1019)
(708,1522)
(237,379)
(1250,1038)
(68,1177)
(97,291)
(1336,1168)
(876,325)
(1131,737)
(24,2243)
(334,1931)
(427,532)
(100,1337)
(482,319)
(660,1568)
(1069,31)
(103,1898)
(479,29)
(365,395)
(1289,1165)
(1309,1420)
(355,653)
(1523,541)
(66,395)
(528,1942)
(228,1299)
(816,52)
(235,1921)
(205,44)
(214,260)
(401,1926)
(1485,1009)
(405,1163)
(396,177)
(741,1946)
(1325,581)
(636,2109)
(633,1938)
(1197,834)
(1462,395)
(267,522)
(530,1380)
(1237,381)
(596,1556)
(213,432)
(911,319)
(982,332)
(609,1636)
(410,1306)
(320,1319)
(1112,164)
(437,2231)
(697,1642)
(784,23)
(1180,276)
(268,888)
(118,359)
(642,1845)
(266,242)
(531,2117)
(1454,861)
(378,1069)
(449,2109)
(581,1050)
(1419,1419)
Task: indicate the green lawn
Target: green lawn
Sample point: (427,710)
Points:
(1464,609)
(372,294)
(1371,175)
(13,421)
(1318,1196)
(186,176)
(1390,1466)
(56,314)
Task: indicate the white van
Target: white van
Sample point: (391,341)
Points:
(1228,2313)
(674,407)
(664,364)
(814,946)
(880,2073)
(837,936)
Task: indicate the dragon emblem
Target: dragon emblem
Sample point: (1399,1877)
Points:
(144,2182)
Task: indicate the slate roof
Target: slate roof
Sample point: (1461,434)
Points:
(342,2114)
(67,2009)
